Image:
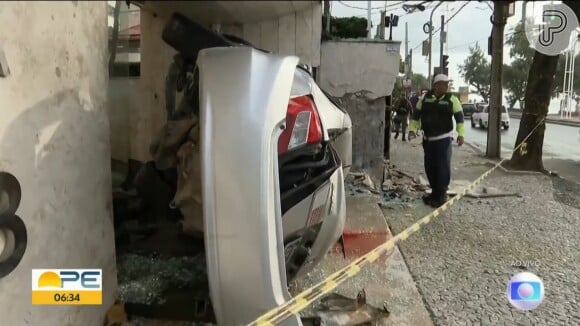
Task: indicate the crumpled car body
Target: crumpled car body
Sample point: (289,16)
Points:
(260,174)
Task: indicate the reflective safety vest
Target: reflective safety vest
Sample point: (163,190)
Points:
(436,115)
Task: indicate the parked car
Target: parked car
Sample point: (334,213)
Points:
(481,117)
(274,151)
(468,109)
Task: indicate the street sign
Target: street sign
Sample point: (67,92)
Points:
(425,50)
(406,83)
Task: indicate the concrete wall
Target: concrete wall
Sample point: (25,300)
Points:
(349,66)
(295,34)
(362,73)
(54,137)
(124,104)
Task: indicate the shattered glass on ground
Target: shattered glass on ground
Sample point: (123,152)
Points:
(145,279)
(398,189)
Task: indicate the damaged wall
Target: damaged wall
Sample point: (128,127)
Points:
(368,130)
(54,138)
(362,73)
(283,35)
(348,66)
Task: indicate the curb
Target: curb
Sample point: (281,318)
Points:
(503,169)
(553,121)
(475,147)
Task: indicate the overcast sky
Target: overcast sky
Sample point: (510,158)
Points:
(470,25)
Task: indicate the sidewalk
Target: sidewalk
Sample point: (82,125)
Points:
(462,260)
(386,281)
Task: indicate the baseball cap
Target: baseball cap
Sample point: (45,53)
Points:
(440,77)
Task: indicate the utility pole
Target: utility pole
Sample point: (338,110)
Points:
(406,39)
(407,59)
(382,26)
(441,44)
(369,20)
(431,39)
(493,132)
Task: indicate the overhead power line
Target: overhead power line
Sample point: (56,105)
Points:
(372,8)
(446,22)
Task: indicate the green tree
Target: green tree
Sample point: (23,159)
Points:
(558,83)
(476,71)
(516,74)
(419,81)
(539,91)
(515,77)
(345,27)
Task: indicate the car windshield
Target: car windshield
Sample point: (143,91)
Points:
(468,106)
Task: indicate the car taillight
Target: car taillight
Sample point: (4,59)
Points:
(302,125)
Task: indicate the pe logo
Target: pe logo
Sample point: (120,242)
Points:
(525,291)
(67,286)
(553,30)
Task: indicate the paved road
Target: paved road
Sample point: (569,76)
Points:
(562,142)
(561,146)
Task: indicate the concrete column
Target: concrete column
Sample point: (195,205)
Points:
(54,138)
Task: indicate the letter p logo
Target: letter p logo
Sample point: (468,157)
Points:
(554,23)
(552,34)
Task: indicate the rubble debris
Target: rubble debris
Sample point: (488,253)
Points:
(489,192)
(336,309)
(358,183)
(145,278)
(458,186)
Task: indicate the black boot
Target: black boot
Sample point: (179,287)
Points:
(404,139)
(427,199)
(396,135)
(439,200)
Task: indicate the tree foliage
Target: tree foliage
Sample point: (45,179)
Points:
(419,81)
(539,90)
(345,27)
(476,70)
(516,74)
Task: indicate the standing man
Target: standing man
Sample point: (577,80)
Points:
(402,112)
(434,113)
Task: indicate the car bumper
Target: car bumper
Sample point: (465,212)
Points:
(333,220)
(241,209)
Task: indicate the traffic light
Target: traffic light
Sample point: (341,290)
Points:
(445,61)
(392,20)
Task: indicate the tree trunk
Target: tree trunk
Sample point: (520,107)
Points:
(538,93)
(115,36)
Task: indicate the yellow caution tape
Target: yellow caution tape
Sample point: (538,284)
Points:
(305,298)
